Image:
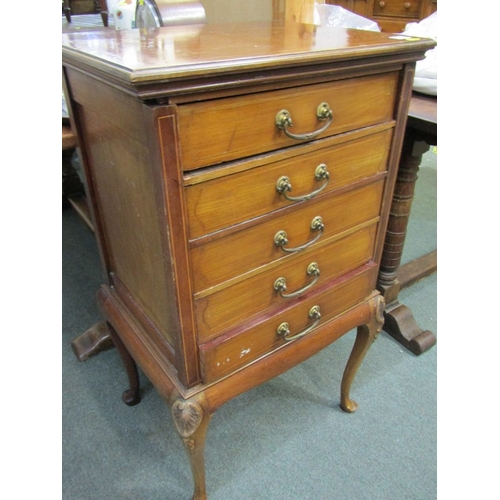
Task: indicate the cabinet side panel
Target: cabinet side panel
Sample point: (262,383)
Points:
(119,164)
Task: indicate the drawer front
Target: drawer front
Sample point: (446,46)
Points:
(307,272)
(397,8)
(215,131)
(244,251)
(222,202)
(228,353)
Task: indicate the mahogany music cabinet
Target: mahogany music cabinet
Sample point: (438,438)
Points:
(240,178)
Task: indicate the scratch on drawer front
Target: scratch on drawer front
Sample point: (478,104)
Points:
(244,351)
(232,138)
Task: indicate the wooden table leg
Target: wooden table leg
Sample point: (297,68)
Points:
(104,12)
(399,320)
(130,396)
(67,10)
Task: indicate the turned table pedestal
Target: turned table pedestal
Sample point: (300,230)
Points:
(420,134)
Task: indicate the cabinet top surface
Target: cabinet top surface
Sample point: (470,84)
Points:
(142,56)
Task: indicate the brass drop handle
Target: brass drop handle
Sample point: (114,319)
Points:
(284,186)
(281,238)
(280,283)
(284,121)
(382,4)
(284,329)
(407,5)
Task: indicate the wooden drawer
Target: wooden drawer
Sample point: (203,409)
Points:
(397,8)
(240,252)
(235,304)
(236,197)
(236,349)
(215,131)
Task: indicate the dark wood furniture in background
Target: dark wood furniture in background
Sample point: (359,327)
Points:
(71,183)
(420,134)
(96,338)
(103,9)
(73,189)
(391,15)
(220,276)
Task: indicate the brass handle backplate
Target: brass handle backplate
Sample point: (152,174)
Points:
(284,185)
(281,238)
(284,329)
(280,283)
(284,121)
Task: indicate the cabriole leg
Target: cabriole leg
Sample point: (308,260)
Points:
(365,336)
(191,418)
(130,396)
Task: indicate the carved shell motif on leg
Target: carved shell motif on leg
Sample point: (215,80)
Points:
(187,416)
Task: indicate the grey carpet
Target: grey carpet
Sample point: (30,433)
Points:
(285,440)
